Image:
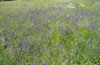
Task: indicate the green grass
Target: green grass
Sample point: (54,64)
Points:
(56,32)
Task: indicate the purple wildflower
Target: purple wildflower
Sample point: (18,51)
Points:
(34,64)
(61,46)
(21,38)
(80,39)
(45,63)
(25,45)
(92,2)
(75,24)
(65,16)
(76,5)
(30,50)
(17,59)
(7,43)
(32,19)
(93,54)
(93,27)
(75,18)
(60,27)
(98,48)
(18,18)
(63,56)
(24,18)
(35,29)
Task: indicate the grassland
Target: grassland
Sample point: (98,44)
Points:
(50,32)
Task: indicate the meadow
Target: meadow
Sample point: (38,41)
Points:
(50,32)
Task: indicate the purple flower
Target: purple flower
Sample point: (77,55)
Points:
(30,50)
(45,63)
(93,26)
(75,18)
(32,19)
(21,38)
(98,48)
(63,56)
(93,54)
(92,2)
(7,43)
(81,40)
(65,16)
(35,29)
(60,27)
(76,5)
(18,18)
(62,46)
(17,59)
(25,45)
(34,64)
(75,24)
(24,18)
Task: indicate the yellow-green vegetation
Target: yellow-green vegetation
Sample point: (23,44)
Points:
(50,32)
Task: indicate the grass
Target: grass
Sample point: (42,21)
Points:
(55,32)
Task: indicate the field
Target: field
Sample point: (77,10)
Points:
(50,32)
